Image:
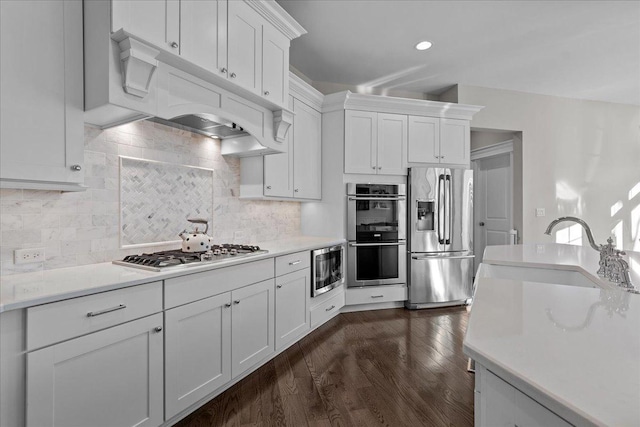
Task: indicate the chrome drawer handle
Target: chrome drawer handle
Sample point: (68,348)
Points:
(295,262)
(330,308)
(377,296)
(237,301)
(106,310)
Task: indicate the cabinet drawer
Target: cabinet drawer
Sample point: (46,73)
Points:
(51,323)
(326,310)
(375,294)
(185,289)
(292,262)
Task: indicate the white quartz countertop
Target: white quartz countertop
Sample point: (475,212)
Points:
(29,289)
(574,349)
(558,257)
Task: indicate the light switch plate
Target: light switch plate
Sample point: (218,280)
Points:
(540,212)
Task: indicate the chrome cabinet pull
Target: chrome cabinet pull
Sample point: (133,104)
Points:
(377,296)
(268,187)
(295,262)
(330,308)
(296,190)
(174,45)
(223,70)
(278,286)
(76,168)
(266,93)
(237,301)
(232,75)
(158,329)
(106,310)
(227,305)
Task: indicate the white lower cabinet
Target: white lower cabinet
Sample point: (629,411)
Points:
(109,378)
(292,306)
(252,325)
(501,404)
(197,351)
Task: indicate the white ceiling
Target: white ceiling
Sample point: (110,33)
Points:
(574,49)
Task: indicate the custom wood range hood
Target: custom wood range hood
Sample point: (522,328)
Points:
(130,75)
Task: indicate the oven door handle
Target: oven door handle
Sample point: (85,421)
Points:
(356,245)
(356,198)
(442,257)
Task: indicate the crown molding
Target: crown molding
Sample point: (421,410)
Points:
(278,17)
(348,100)
(303,91)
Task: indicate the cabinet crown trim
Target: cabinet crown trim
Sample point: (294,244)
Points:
(348,100)
(301,90)
(278,17)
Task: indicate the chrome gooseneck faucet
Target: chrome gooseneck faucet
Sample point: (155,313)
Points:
(584,225)
(612,266)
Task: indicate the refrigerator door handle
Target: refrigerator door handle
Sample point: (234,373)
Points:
(423,257)
(449,208)
(441,210)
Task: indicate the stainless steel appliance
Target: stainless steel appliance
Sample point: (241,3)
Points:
(440,257)
(160,261)
(327,269)
(376,230)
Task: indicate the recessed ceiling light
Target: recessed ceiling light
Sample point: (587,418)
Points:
(423,45)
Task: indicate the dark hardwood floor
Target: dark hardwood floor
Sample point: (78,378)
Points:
(386,367)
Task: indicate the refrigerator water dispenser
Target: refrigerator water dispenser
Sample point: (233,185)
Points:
(425,212)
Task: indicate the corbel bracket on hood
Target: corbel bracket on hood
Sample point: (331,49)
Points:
(138,63)
(282,121)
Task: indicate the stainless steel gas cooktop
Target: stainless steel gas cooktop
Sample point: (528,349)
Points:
(160,261)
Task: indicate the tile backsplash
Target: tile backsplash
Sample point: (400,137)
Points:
(83,228)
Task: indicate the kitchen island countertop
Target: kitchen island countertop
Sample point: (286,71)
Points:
(575,350)
(29,289)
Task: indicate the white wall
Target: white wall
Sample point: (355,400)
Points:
(580,158)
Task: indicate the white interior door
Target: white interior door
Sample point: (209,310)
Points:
(493,203)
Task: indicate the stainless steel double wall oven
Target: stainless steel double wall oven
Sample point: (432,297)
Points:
(376,231)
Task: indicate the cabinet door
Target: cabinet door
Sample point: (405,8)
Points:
(532,414)
(497,399)
(278,168)
(292,306)
(252,322)
(108,378)
(151,20)
(455,141)
(244,54)
(203,30)
(307,152)
(198,351)
(392,143)
(360,142)
(423,144)
(275,65)
(41,82)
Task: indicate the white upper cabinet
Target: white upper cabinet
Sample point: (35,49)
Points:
(155,21)
(392,143)
(275,65)
(203,33)
(438,140)
(245,46)
(375,143)
(455,141)
(41,106)
(361,139)
(424,139)
(307,152)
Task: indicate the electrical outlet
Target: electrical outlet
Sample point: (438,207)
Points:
(539,211)
(28,256)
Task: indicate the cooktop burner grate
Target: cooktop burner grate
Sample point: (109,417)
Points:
(158,261)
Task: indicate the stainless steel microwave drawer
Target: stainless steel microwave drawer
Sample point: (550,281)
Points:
(59,321)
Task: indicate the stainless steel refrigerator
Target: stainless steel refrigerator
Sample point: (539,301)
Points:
(440,240)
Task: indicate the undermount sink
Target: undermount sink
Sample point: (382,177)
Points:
(529,274)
